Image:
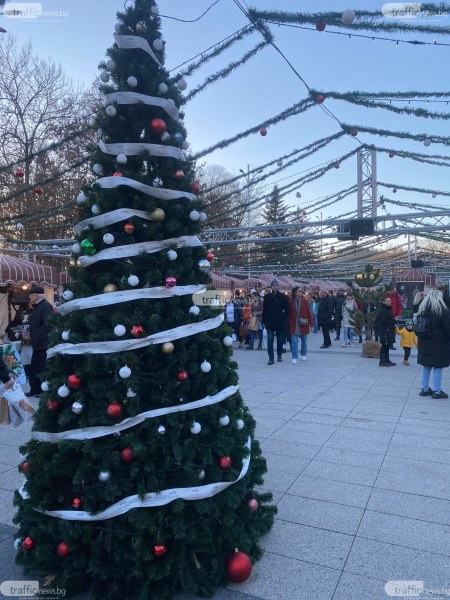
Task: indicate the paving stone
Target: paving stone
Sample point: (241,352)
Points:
(317,418)
(410,505)
(341,472)
(350,457)
(359,439)
(331,491)
(289,448)
(356,587)
(419,453)
(285,464)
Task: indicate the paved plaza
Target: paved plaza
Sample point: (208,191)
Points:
(359,466)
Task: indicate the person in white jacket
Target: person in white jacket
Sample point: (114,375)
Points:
(347,315)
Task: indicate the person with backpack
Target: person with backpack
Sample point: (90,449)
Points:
(432,328)
(385,325)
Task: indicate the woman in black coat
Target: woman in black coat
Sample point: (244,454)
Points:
(434,351)
(385,327)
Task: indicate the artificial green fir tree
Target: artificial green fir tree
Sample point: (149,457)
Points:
(142,467)
(368,291)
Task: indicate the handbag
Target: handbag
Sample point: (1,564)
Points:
(303,321)
(253,324)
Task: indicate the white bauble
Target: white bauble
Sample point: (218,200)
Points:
(98,169)
(67,295)
(181,84)
(203,216)
(132,81)
(117,27)
(18,543)
(240,424)
(196,428)
(63,391)
(224,421)
(185,145)
(194,215)
(76,248)
(105,76)
(165,136)
(65,335)
(202,474)
(348,16)
(104,476)
(45,387)
(111,65)
(161,430)
(158,44)
(227,340)
(172,255)
(95,209)
(19,226)
(111,111)
(120,330)
(108,238)
(158,182)
(77,408)
(133,280)
(162,88)
(121,159)
(194,310)
(427,142)
(125,372)
(205,366)
(131,393)
(81,197)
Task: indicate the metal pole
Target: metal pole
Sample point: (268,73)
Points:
(374,183)
(359,194)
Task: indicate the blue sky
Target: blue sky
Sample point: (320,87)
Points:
(265,86)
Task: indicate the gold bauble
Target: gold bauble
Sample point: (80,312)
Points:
(158,215)
(168,348)
(110,287)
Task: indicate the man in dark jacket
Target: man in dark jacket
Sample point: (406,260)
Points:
(274,318)
(339,300)
(324,316)
(39,330)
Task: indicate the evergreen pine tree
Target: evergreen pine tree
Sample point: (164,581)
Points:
(142,464)
(368,293)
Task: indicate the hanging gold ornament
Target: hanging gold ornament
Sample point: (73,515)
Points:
(168,348)
(110,287)
(158,215)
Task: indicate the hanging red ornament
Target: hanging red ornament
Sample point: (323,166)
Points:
(320,99)
(320,25)
(158,126)
(19,173)
(76,503)
(353,132)
(129,228)
(52,404)
(73,381)
(195,187)
(117,174)
(137,331)
(62,549)
(182,375)
(114,410)
(238,567)
(159,550)
(273,249)
(171,281)
(28,543)
(127,454)
(253,504)
(38,190)
(24,466)
(394,190)
(179,174)
(391,154)
(263,131)
(224,462)
(210,256)
(336,165)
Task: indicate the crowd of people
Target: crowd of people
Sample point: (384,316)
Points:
(275,318)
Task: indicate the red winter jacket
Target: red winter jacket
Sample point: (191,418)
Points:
(396,303)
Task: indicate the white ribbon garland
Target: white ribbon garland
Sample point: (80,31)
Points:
(131,42)
(191,241)
(115,216)
(90,433)
(136,98)
(152,499)
(127,295)
(155,192)
(111,347)
(135,148)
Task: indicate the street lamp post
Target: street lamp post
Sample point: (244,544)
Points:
(249,181)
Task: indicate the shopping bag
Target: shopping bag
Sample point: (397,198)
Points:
(4,412)
(20,410)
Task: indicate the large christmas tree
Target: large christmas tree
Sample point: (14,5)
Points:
(142,467)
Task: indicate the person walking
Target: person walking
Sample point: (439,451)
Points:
(239,302)
(233,317)
(39,330)
(324,316)
(385,326)
(274,314)
(339,301)
(347,315)
(408,340)
(434,349)
(314,307)
(255,320)
(300,321)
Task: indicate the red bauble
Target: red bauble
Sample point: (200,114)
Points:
(137,331)
(76,503)
(127,454)
(210,256)
(24,466)
(117,174)
(114,410)
(52,404)
(391,154)
(158,126)
(263,131)
(19,173)
(224,462)
(28,543)
(38,190)
(320,99)
(128,228)
(238,567)
(394,190)
(62,549)
(171,281)
(182,375)
(336,165)
(195,187)
(159,550)
(320,25)
(73,381)
(353,132)
(179,174)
